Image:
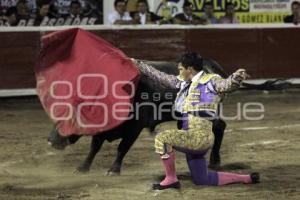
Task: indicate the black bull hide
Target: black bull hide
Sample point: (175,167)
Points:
(144,117)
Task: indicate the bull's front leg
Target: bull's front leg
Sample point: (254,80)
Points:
(218,129)
(127,141)
(96,144)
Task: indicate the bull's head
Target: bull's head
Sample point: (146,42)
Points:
(61,142)
(56,140)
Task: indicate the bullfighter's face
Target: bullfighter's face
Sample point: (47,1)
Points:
(184,73)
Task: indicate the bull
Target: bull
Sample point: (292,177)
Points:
(143,117)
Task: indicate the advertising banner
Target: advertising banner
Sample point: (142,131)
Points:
(247,11)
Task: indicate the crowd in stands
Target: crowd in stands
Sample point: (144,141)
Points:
(142,15)
(295,16)
(50,12)
(90,12)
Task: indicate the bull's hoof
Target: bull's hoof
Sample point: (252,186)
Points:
(114,170)
(112,173)
(81,170)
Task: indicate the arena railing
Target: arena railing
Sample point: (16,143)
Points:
(237,59)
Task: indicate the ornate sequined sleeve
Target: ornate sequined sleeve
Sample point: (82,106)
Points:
(158,77)
(220,85)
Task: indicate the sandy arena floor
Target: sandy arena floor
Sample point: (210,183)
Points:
(31,170)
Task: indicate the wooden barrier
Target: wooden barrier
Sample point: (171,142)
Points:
(266,52)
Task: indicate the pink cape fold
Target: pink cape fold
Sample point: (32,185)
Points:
(85,84)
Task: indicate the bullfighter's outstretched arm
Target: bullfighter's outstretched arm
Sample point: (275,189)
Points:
(230,84)
(164,79)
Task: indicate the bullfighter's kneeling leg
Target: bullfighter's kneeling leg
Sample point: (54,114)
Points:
(226,178)
(199,172)
(201,176)
(164,143)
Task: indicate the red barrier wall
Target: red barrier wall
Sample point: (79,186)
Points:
(264,52)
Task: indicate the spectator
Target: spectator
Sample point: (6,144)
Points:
(62,7)
(90,9)
(75,9)
(120,15)
(22,10)
(295,16)
(209,15)
(24,17)
(79,17)
(143,15)
(93,9)
(32,7)
(45,12)
(11,17)
(229,17)
(187,17)
(99,10)
(6,4)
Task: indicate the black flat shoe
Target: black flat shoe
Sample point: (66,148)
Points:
(157,186)
(255,177)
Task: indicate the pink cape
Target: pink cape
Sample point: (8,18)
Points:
(85,84)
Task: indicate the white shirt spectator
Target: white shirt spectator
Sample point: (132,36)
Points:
(143,18)
(114,16)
